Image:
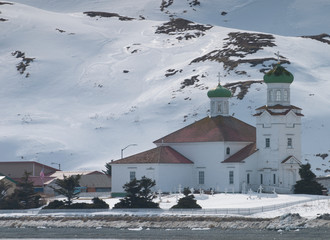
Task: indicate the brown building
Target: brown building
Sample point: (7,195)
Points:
(16,169)
(90,181)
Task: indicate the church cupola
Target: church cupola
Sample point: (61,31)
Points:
(219,100)
(278,82)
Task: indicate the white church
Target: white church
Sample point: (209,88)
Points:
(223,153)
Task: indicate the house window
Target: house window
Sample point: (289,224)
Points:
(274,178)
(267,142)
(248,178)
(261,179)
(278,95)
(132,175)
(289,142)
(201,177)
(285,95)
(228,150)
(231,177)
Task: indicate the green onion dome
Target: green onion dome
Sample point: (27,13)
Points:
(219,91)
(278,75)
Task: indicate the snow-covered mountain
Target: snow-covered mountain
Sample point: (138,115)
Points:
(82,79)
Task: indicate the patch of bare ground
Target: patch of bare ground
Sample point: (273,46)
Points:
(193,3)
(237,47)
(193,81)
(325,38)
(108,15)
(171,72)
(165,4)
(184,28)
(322,155)
(21,66)
(242,87)
(4,3)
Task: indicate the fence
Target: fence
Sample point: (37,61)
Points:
(148,211)
(218,211)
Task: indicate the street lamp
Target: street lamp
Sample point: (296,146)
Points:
(122,150)
(58,164)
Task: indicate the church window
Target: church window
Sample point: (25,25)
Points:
(225,107)
(248,178)
(201,177)
(289,142)
(132,175)
(219,107)
(231,177)
(271,95)
(285,95)
(278,95)
(228,150)
(261,179)
(267,142)
(274,178)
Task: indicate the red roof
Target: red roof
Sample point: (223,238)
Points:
(163,154)
(37,181)
(215,129)
(242,154)
(29,162)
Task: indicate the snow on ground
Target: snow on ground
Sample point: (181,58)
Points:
(311,208)
(206,218)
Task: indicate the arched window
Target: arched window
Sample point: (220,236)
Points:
(278,95)
(228,150)
(225,107)
(285,95)
(271,95)
(219,107)
(212,106)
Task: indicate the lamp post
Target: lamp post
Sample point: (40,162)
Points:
(129,145)
(58,164)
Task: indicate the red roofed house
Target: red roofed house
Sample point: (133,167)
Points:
(223,153)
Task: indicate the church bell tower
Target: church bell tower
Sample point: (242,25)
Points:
(219,97)
(278,133)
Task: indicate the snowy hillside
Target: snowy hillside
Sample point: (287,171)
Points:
(82,79)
